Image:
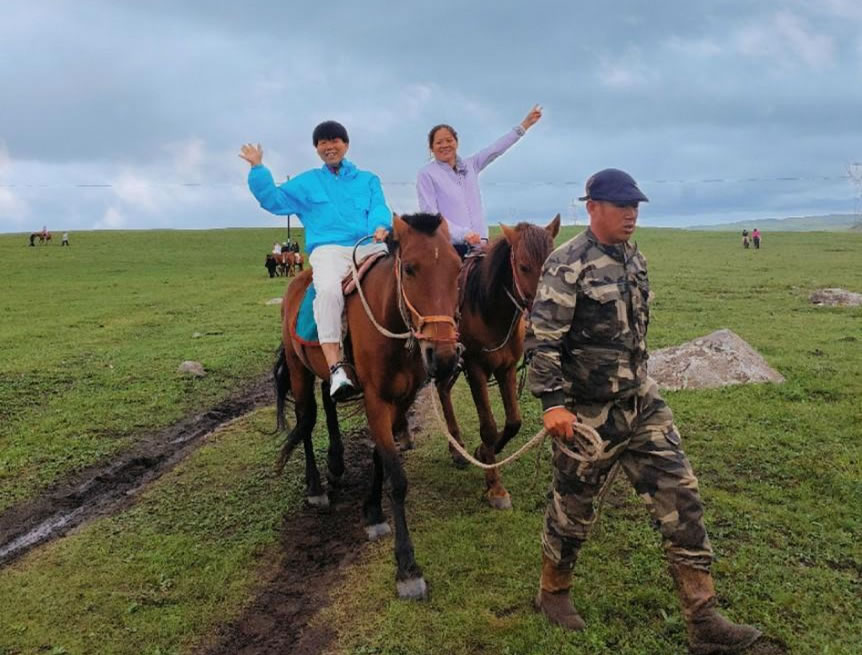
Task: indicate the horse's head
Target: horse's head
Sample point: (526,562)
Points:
(530,246)
(427,268)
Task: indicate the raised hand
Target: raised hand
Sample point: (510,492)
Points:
(252,154)
(532,117)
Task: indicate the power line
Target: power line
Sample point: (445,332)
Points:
(501,183)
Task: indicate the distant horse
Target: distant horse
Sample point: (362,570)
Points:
(271,265)
(42,236)
(497,292)
(293,261)
(412,295)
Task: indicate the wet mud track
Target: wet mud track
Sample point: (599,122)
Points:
(317,546)
(106,488)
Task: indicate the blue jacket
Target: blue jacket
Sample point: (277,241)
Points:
(334,210)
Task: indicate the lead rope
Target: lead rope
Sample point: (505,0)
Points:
(585,436)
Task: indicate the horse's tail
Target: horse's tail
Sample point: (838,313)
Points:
(281,386)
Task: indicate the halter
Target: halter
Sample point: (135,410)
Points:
(413,334)
(417,332)
(521,307)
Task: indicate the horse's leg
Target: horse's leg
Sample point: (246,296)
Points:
(444,392)
(381,418)
(506,379)
(372,509)
(335,454)
(496,493)
(401,430)
(302,385)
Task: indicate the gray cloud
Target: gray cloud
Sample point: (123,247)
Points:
(150,96)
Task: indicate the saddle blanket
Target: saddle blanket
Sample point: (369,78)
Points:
(305,329)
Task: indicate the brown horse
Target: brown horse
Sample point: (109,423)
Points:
(42,236)
(497,292)
(412,294)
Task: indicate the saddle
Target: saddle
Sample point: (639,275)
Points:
(305,328)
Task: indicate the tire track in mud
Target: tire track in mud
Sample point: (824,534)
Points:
(317,546)
(107,488)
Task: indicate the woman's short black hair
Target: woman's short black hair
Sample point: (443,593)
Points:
(329,130)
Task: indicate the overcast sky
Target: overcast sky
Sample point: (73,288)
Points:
(721,110)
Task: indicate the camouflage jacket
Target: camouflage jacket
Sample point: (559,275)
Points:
(587,334)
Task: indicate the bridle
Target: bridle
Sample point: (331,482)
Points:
(521,308)
(418,332)
(416,329)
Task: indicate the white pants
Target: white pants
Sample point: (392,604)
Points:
(329,266)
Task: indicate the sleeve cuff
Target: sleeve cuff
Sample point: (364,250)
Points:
(519,129)
(553,399)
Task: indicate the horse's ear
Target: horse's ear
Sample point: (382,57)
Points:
(444,227)
(554,226)
(399,226)
(510,234)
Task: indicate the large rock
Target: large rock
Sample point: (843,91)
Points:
(189,367)
(716,360)
(835,298)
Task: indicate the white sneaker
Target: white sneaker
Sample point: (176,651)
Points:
(340,386)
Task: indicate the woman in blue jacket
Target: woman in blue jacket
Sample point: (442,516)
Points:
(338,204)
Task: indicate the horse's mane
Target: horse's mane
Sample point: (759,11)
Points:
(496,271)
(425,223)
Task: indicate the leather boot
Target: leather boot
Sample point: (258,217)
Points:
(708,631)
(553,598)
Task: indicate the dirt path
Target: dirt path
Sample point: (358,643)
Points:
(317,546)
(109,487)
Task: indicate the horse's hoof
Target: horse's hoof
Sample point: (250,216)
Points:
(318,501)
(377,530)
(459,461)
(500,502)
(413,589)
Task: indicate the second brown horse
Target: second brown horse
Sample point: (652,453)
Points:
(498,290)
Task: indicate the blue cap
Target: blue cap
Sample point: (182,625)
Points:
(613,185)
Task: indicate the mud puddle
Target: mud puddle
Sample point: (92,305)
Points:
(104,489)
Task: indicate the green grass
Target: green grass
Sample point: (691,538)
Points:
(93,334)
(779,465)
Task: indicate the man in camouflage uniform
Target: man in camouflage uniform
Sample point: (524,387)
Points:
(588,362)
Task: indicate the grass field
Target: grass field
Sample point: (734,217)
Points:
(92,336)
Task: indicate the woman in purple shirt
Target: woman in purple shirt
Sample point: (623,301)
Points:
(449,185)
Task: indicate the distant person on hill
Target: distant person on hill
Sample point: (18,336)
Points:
(586,345)
(65,239)
(338,205)
(755,237)
(449,185)
(745,238)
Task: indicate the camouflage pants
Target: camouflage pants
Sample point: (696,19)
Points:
(644,440)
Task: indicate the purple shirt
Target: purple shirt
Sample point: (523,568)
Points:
(454,193)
